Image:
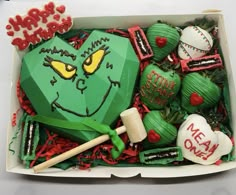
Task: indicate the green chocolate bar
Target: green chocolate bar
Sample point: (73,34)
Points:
(161,156)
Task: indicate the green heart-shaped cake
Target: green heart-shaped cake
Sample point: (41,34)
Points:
(157,87)
(96,81)
(163,39)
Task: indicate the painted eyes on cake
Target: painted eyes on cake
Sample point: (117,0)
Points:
(66,71)
(92,63)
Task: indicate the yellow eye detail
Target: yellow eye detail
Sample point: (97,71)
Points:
(66,71)
(93,61)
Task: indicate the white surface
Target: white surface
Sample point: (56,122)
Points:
(215,184)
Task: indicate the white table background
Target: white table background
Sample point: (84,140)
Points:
(215,184)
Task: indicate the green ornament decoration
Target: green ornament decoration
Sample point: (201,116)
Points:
(163,39)
(160,130)
(97,81)
(158,87)
(199,92)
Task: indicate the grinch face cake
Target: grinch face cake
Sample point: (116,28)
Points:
(68,89)
(89,82)
(96,88)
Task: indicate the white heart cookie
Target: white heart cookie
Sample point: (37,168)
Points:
(194,42)
(199,143)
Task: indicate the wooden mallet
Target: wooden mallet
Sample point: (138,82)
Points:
(132,124)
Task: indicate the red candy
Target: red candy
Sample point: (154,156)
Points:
(196,99)
(161,41)
(153,136)
(61,9)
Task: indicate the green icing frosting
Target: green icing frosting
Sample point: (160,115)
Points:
(198,92)
(163,39)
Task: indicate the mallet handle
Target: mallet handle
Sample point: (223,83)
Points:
(77,150)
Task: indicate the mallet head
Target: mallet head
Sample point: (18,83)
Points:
(134,125)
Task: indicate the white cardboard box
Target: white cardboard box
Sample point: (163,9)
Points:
(14,164)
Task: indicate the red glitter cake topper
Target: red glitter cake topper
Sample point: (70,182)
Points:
(37,25)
